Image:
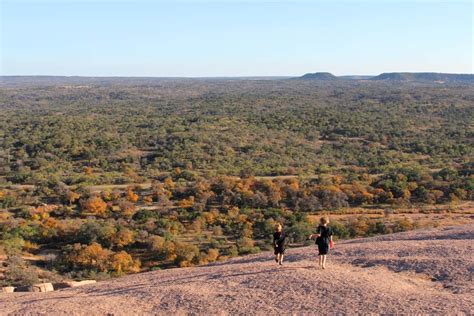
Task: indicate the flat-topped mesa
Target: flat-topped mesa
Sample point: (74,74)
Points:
(425,77)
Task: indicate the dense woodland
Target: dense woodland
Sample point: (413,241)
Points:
(120,176)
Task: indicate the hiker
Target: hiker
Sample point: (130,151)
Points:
(279,243)
(323,240)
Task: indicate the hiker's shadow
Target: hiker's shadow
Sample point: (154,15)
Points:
(243,260)
(274,270)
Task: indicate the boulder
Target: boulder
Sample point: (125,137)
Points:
(8,289)
(41,287)
(84,282)
(67,284)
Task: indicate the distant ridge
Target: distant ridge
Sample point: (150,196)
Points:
(425,77)
(326,76)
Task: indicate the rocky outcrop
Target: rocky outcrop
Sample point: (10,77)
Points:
(8,289)
(68,284)
(46,287)
(41,287)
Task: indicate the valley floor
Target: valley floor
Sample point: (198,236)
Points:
(428,271)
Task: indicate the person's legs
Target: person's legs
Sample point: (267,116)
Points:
(320,260)
(324,262)
(281,259)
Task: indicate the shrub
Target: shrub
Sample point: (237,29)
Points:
(339,230)
(246,245)
(357,227)
(12,245)
(299,232)
(402,225)
(186,254)
(376,227)
(19,273)
(232,251)
(212,255)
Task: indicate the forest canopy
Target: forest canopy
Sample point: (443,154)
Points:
(120,175)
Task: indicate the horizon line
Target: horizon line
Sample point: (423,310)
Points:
(229,76)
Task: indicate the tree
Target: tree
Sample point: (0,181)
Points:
(217,231)
(88,170)
(102,232)
(131,196)
(123,237)
(212,255)
(169,184)
(309,203)
(156,243)
(72,197)
(127,209)
(187,202)
(91,256)
(148,200)
(95,205)
(122,262)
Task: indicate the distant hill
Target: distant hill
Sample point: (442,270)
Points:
(425,77)
(326,76)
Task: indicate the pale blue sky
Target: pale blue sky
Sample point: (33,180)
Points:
(234,38)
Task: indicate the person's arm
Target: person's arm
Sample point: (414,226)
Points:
(318,231)
(315,234)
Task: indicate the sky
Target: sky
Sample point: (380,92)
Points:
(234,38)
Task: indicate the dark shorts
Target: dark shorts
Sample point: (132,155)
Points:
(278,250)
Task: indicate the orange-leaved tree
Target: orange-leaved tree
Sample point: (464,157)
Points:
(122,262)
(94,205)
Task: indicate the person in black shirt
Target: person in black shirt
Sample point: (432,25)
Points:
(323,240)
(279,243)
